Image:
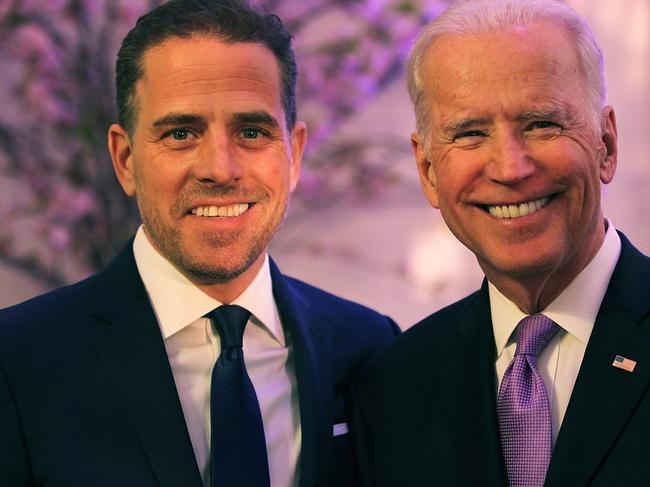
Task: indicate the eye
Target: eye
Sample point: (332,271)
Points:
(251,133)
(177,134)
(179,138)
(469,138)
(543,130)
(470,133)
(542,124)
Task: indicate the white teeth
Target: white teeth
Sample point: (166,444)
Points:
(221,211)
(515,211)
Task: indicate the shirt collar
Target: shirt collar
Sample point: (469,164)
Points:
(177,302)
(575,309)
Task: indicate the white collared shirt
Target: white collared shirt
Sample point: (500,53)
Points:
(574,310)
(193,348)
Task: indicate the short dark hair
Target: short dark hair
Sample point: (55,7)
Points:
(228,20)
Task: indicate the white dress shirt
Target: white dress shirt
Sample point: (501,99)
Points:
(574,310)
(193,348)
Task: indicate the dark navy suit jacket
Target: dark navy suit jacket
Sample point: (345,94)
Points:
(425,407)
(87,396)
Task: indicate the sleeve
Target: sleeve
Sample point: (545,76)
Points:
(362,446)
(15,467)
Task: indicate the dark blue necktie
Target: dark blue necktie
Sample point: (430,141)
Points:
(238,450)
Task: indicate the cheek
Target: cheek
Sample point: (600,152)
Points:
(276,174)
(458,174)
(158,186)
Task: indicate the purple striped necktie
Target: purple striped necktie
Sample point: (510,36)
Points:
(523,407)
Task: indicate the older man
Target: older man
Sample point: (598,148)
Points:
(137,376)
(540,377)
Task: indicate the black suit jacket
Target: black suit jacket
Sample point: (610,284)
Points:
(425,407)
(87,396)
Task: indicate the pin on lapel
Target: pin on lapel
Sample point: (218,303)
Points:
(624,363)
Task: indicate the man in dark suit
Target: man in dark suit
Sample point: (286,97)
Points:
(540,377)
(111,381)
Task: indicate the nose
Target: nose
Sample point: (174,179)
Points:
(510,161)
(217,162)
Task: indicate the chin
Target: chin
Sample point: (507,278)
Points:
(523,267)
(208,274)
(220,269)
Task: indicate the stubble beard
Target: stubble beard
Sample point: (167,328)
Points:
(169,243)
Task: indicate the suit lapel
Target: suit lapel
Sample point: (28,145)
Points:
(313,377)
(130,345)
(468,384)
(604,397)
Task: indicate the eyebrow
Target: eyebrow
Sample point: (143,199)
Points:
(465,123)
(551,113)
(256,117)
(179,119)
(259,117)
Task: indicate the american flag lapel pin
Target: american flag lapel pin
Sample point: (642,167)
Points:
(624,363)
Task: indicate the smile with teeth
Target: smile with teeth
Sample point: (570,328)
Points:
(221,211)
(516,211)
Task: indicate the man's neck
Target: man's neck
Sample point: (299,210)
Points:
(534,291)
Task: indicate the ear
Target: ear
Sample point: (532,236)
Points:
(425,170)
(298,142)
(119,146)
(609,137)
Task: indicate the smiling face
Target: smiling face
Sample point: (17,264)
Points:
(210,161)
(515,157)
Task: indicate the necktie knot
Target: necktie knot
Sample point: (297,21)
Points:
(229,322)
(533,334)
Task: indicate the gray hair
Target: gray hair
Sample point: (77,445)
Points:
(468,17)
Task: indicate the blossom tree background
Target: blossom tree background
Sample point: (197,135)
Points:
(64,215)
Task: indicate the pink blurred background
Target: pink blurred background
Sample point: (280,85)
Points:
(359,226)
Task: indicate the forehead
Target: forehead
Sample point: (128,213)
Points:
(527,63)
(206,73)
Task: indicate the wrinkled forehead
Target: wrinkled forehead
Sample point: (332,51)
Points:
(509,73)
(539,47)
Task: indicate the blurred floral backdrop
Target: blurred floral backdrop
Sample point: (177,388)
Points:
(64,215)
(358,226)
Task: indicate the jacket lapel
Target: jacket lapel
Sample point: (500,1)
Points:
(130,345)
(468,384)
(313,377)
(604,396)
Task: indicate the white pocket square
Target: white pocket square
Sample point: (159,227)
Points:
(340,429)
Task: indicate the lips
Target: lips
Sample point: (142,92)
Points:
(518,210)
(228,211)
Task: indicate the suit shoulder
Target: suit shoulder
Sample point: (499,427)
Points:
(46,310)
(342,308)
(420,343)
(441,323)
(630,280)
